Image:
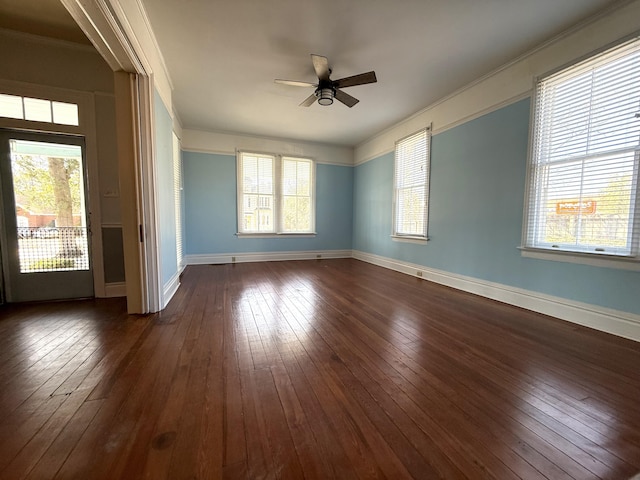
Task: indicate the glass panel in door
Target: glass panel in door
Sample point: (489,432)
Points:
(46,229)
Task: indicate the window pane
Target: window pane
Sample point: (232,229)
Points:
(50,210)
(11,106)
(290,214)
(37,110)
(297,214)
(411,210)
(65,113)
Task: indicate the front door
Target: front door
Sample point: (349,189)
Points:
(45,235)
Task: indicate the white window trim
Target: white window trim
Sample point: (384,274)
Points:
(409,239)
(606,261)
(277,197)
(417,239)
(596,259)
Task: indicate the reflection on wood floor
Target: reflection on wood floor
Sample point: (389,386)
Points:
(313,369)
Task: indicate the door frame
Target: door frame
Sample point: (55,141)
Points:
(109,25)
(86,129)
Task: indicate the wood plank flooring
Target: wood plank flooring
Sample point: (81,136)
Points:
(313,369)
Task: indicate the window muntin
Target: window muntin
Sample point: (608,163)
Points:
(411,185)
(38,110)
(583,190)
(275,194)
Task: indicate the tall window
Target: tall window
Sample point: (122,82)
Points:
(583,177)
(275,194)
(411,189)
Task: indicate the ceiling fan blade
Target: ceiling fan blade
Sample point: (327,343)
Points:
(345,98)
(362,79)
(295,83)
(308,101)
(321,66)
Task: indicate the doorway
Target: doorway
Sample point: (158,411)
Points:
(46,232)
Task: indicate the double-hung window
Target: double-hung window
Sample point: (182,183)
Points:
(583,194)
(411,186)
(275,194)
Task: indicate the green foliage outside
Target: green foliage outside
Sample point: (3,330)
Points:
(34,185)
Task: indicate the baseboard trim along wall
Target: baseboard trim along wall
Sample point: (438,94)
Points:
(169,289)
(217,259)
(115,289)
(618,323)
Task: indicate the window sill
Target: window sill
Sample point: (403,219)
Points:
(276,235)
(409,239)
(593,259)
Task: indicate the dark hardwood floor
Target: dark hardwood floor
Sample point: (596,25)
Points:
(317,369)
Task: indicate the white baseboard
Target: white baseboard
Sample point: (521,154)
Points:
(115,289)
(623,324)
(216,259)
(169,290)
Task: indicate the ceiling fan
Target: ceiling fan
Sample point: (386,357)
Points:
(326,89)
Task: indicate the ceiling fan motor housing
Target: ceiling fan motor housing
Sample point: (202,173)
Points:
(325,93)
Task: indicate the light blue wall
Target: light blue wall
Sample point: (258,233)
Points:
(475,215)
(210,209)
(164,182)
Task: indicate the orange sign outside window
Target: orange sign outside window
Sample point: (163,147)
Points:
(574,207)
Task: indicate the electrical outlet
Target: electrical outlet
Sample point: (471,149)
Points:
(233,259)
(419,273)
(318,257)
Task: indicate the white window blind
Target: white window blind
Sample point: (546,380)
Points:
(257,173)
(297,183)
(583,177)
(177,197)
(411,180)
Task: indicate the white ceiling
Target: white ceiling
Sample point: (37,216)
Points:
(223,55)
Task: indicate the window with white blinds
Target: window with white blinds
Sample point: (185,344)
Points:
(411,185)
(177,198)
(583,177)
(275,194)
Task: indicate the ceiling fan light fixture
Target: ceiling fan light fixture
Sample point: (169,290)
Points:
(325,96)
